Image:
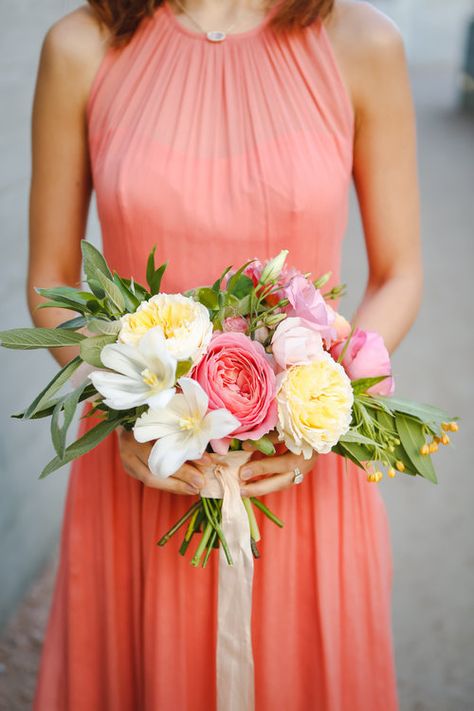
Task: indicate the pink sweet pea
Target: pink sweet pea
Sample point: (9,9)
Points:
(295,342)
(308,303)
(366,357)
(236,374)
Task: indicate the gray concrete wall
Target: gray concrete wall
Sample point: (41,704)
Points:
(431,526)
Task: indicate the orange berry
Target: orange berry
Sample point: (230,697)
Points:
(400,466)
(392,473)
(445,426)
(453,426)
(433,447)
(445,439)
(425,449)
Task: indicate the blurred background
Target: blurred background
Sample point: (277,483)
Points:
(432,526)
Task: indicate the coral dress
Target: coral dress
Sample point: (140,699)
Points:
(219,152)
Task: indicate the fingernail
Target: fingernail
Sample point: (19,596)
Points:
(246,473)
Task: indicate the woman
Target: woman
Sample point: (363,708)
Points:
(219,151)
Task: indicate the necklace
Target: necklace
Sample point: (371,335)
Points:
(212,35)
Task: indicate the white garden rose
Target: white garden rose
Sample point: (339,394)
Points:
(314,406)
(185,323)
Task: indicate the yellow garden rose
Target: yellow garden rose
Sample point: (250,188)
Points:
(185,324)
(314,406)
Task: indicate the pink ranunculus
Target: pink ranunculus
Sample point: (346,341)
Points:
(367,357)
(307,302)
(236,324)
(296,341)
(236,374)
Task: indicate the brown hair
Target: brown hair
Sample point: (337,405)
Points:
(122,17)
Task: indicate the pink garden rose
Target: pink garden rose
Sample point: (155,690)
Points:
(236,374)
(295,342)
(367,357)
(308,303)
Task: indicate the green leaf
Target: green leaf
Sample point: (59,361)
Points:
(356,437)
(94,262)
(412,439)
(387,421)
(91,349)
(58,305)
(150,266)
(112,292)
(67,406)
(363,384)
(96,289)
(84,444)
(264,445)
(183,367)
(157,277)
(207,297)
(353,451)
(426,413)
(54,386)
(240,287)
(31,338)
(73,323)
(217,284)
(235,277)
(137,289)
(67,295)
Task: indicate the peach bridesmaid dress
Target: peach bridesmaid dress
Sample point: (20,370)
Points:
(219,152)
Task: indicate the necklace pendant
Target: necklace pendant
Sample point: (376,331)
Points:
(216,36)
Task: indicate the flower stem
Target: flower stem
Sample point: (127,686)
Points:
(209,547)
(164,539)
(267,511)
(254,548)
(254,529)
(212,518)
(202,544)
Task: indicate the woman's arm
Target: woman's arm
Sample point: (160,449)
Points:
(61,181)
(373,61)
(371,55)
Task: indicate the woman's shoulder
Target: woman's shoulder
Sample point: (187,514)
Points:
(363,29)
(74,47)
(369,48)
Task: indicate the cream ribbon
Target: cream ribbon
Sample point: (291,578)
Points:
(235,669)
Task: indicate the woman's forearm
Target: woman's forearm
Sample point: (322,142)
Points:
(390,308)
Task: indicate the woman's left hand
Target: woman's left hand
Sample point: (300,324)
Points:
(278,472)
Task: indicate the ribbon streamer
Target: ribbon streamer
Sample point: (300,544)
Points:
(235,667)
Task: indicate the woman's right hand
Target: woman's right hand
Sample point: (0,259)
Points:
(187,480)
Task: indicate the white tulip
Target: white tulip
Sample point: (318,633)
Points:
(183,428)
(144,375)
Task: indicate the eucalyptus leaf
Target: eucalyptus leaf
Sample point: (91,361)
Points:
(31,338)
(131,300)
(108,328)
(387,421)
(46,409)
(112,292)
(73,323)
(94,262)
(91,349)
(84,444)
(67,408)
(53,387)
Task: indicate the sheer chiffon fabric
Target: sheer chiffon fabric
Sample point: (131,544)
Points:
(216,153)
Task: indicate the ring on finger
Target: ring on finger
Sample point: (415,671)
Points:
(298,475)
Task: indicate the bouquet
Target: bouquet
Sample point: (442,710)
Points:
(259,356)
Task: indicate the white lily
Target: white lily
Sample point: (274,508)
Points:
(144,374)
(183,428)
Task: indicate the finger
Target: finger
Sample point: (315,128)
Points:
(135,468)
(268,485)
(269,465)
(191,476)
